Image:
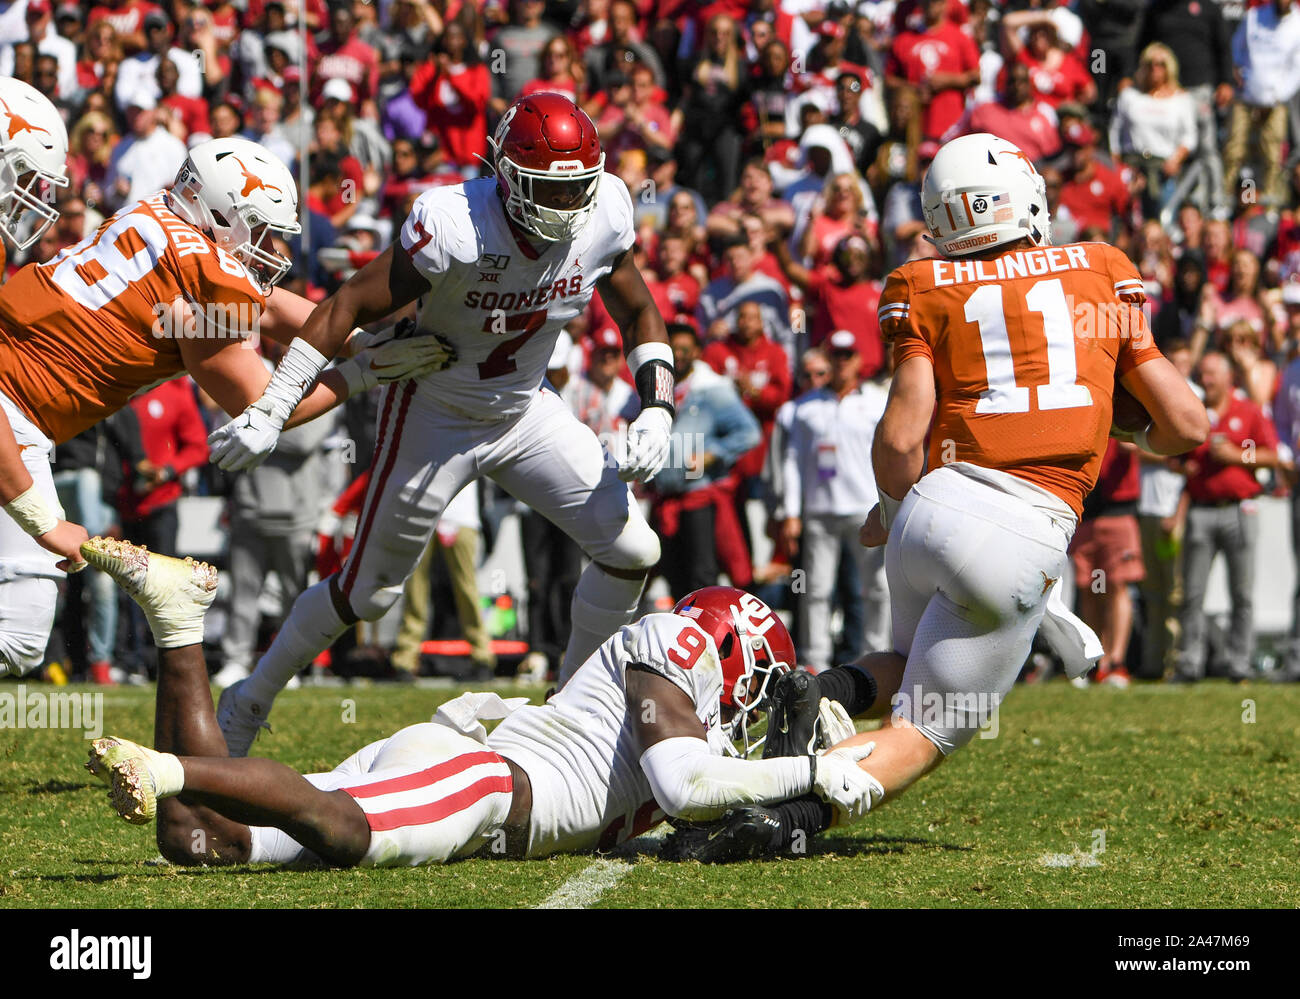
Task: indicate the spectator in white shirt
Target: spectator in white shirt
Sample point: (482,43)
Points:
(1154,128)
(146,161)
(140,71)
(1266,57)
(41,33)
(829,488)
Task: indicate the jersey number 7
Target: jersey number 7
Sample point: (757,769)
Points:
(985,309)
(502,359)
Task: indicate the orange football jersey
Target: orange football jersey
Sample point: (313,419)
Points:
(1026,346)
(82,333)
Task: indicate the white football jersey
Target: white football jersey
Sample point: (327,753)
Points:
(579,749)
(497,300)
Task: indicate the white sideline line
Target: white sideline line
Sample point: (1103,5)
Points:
(589,884)
(586,887)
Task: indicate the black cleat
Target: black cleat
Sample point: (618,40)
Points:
(792,715)
(741,834)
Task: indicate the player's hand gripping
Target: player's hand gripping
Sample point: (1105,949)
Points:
(647,445)
(839,781)
(395,356)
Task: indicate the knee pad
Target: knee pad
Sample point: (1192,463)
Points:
(635,549)
(374,605)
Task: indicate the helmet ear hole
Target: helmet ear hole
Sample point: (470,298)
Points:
(221,219)
(728,643)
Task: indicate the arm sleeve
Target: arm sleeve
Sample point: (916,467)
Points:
(691,783)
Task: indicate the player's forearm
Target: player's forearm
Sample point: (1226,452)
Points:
(14,477)
(331,390)
(898,461)
(691,783)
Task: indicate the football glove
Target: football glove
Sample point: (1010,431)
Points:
(394,359)
(246,440)
(647,445)
(841,783)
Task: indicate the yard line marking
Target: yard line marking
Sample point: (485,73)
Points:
(586,887)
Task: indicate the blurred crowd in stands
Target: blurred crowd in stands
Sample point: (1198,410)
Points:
(774,151)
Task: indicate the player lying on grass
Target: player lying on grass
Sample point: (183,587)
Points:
(642,729)
(1007,351)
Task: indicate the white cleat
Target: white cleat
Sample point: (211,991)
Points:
(174,593)
(240,719)
(130,771)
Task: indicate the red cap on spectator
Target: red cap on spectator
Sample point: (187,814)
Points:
(39,6)
(687,320)
(607,338)
(783,151)
(831,29)
(1079,133)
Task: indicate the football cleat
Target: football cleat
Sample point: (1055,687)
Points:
(741,834)
(240,718)
(173,593)
(130,771)
(793,710)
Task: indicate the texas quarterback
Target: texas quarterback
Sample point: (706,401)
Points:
(497,267)
(1007,350)
(173,283)
(644,729)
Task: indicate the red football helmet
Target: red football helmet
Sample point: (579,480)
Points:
(548,164)
(752,642)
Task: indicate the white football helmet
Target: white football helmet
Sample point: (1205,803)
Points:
(981,192)
(240,194)
(33,154)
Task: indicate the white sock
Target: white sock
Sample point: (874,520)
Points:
(312,626)
(601,605)
(168,774)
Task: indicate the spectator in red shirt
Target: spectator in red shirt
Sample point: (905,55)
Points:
(127,19)
(637,122)
(1095,195)
(683,290)
(1016,116)
(1107,554)
(760,370)
(842,296)
(942,61)
(752,197)
(561,73)
(341,54)
(190,112)
(1223,517)
(1056,72)
(453,88)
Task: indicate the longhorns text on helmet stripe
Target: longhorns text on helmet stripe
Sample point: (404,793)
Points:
(982,191)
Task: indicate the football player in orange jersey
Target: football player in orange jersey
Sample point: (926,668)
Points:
(1006,353)
(177,282)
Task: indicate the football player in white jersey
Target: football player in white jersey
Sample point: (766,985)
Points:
(644,729)
(496,267)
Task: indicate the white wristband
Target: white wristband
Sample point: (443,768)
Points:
(357,376)
(293,376)
(649,352)
(888,508)
(32,513)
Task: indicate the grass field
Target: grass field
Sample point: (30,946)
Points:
(1155,797)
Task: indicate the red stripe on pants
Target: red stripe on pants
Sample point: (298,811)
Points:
(409,782)
(350,570)
(419,815)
